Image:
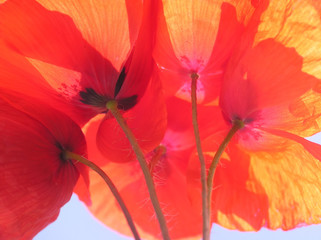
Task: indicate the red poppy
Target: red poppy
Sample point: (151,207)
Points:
(168,163)
(147,120)
(98,58)
(79,55)
(36,181)
(270,85)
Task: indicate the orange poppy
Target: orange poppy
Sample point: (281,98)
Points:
(199,37)
(267,177)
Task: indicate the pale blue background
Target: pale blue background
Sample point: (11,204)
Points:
(76,223)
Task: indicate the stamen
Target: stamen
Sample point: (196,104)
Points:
(90,97)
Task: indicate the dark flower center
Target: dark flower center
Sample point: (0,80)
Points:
(90,97)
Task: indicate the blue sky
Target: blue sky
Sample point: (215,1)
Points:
(75,222)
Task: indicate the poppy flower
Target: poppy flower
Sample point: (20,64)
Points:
(168,163)
(268,174)
(52,36)
(267,93)
(36,180)
(199,37)
(79,55)
(149,130)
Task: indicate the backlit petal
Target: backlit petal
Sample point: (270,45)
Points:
(52,37)
(267,75)
(96,21)
(295,24)
(149,131)
(36,181)
(292,184)
(233,189)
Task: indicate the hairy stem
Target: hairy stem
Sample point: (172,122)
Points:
(205,212)
(112,107)
(112,187)
(237,124)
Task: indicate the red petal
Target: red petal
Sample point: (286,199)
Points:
(267,75)
(141,64)
(52,37)
(36,181)
(51,54)
(96,21)
(233,191)
(149,131)
(18,74)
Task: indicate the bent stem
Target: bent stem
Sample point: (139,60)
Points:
(112,187)
(113,108)
(205,212)
(237,124)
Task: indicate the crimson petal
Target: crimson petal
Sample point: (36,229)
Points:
(36,181)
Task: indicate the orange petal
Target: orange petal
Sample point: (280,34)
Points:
(199,37)
(232,189)
(185,39)
(192,27)
(295,24)
(96,21)
(170,185)
(291,183)
(168,173)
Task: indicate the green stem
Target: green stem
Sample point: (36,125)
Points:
(112,187)
(237,124)
(205,212)
(113,108)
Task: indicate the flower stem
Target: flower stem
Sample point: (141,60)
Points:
(112,187)
(237,124)
(113,108)
(205,212)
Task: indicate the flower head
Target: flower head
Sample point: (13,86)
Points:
(268,164)
(82,60)
(78,56)
(36,179)
(199,37)
(168,164)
